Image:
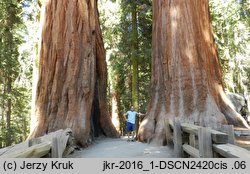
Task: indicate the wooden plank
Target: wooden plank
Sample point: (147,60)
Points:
(51,135)
(62,135)
(62,140)
(177,137)
(217,137)
(54,148)
(241,131)
(190,128)
(205,143)
(4,150)
(231,151)
(193,152)
(35,151)
(14,148)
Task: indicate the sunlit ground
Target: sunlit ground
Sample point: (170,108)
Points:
(242,138)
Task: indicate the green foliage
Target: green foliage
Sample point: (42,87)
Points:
(116,26)
(231,25)
(15,74)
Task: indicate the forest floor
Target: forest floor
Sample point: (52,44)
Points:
(120,148)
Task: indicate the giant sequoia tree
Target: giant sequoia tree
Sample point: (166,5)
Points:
(71,90)
(186,77)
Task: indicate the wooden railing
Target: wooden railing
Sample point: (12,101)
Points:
(189,141)
(201,142)
(54,145)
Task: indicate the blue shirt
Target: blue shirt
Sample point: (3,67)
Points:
(131,116)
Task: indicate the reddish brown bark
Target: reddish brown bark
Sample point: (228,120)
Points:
(186,76)
(71,63)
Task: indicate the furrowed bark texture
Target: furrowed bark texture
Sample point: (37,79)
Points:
(71,63)
(186,77)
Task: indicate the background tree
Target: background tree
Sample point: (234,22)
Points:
(186,80)
(71,90)
(127,29)
(230,21)
(14,76)
(110,13)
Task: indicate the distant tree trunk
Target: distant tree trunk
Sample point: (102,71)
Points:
(2,110)
(25,128)
(34,87)
(8,112)
(186,77)
(115,113)
(134,58)
(72,70)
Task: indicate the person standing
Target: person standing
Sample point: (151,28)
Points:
(130,126)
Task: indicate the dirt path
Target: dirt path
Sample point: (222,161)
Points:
(120,148)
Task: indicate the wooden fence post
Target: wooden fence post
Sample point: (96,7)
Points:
(54,148)
(177,137)
(205,142)
(229,129)
(192,140)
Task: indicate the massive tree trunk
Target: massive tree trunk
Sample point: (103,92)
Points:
(186,76)
(72,72)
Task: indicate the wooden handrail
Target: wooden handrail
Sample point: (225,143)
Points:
(218,143)
(231,151)
(193,152)
(54,143)
(217,137)
(36,151)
